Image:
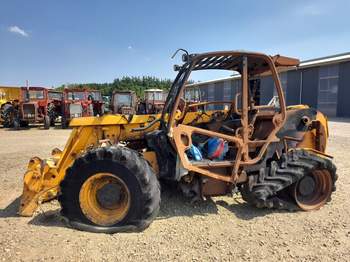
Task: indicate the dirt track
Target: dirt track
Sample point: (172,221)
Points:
(220,229)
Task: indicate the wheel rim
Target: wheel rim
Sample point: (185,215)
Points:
(313,191)
(104,199)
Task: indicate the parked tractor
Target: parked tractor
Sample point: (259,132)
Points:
(107,103)
(107,177)
(8,95)
(29,109)
(97,102)
(124,102)
(153,102)
(75,104)
(54,107)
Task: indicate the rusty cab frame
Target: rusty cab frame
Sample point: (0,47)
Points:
(257,124)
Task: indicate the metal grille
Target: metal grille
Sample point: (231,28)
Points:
(29,111)
(75,110)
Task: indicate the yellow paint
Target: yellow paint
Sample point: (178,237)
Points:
(42,179)
(44,176)
(8,94)
(151,157)
(95,211)
(309,139)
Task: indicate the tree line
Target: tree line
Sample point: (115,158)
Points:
(134,83)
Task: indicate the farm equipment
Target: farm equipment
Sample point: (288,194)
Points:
(97,102)
(8,95)
(54,107)
(30,108)
(107,103)
(124,102)
(153,102)
(81,103)
(107,177)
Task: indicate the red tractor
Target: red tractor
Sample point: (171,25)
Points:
(31,108)
(54,108)
(80,103)
(153,102)
(124,102)
(97,102)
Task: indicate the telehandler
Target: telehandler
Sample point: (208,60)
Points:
(107,177)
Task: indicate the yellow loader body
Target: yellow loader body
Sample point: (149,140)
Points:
(43,177)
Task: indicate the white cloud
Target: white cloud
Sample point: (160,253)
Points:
(130,47)
(16,30)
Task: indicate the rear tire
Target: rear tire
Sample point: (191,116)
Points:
(16,124)
(300,180)
(46,122)
(64,123)
(134,210)
(6,115)
(52,122)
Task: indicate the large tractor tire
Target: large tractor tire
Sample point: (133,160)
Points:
(47,122)
(6,113)
(109,190)
(52,114)
(300,180)
(64,123)
(17,124)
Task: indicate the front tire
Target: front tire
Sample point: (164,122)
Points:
(109,190)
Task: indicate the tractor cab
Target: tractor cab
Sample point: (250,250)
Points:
(55,105)
(96,99)
(124,102)
(153,102)
(32,107)
(76,103)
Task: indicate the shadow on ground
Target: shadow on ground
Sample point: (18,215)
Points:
(11,210)
(245,211)
(32,126)
(51,218)
(173,204)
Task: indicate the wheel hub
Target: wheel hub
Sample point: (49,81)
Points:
(313,190)
(306,186)
(104,199)
(109,195)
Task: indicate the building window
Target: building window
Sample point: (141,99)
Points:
(227,90)
(211,96)
(283,79)
(328,89)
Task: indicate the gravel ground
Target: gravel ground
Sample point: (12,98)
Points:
(220,229)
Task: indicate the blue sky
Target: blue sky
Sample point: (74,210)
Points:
(56,42)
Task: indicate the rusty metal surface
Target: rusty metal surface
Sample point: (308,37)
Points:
(248,65)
